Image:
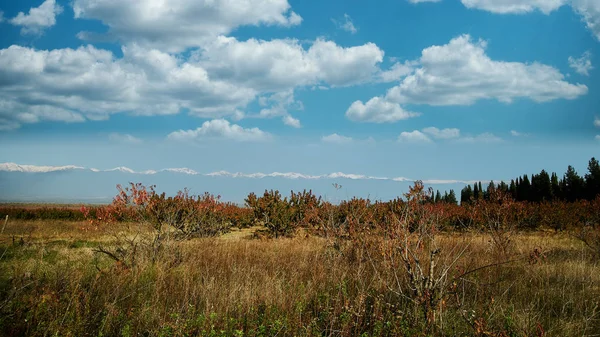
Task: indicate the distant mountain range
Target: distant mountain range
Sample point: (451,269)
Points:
(70,183)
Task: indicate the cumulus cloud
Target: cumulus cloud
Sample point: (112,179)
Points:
(378,110)
(283,64)
(486,137)
(396,72)
(217,81)
(291,121)
(515,6)
(460,73)
(181,24)
(220,129)
(597,122)
(38,19)
(1,16)
(589,10)
(66,84)
(336,139)
(583,64)
(124,138)
(280,104)
(449,133)
(428,135)
(590,14)
(415,136)
(346,24)
(421,1)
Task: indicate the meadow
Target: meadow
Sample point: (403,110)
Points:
(151,265)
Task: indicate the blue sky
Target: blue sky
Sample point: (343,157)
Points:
(447,89)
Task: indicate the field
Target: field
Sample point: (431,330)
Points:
(85,278)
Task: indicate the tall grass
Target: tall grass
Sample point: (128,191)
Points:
(304,286)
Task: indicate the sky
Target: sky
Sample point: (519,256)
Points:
(437,90)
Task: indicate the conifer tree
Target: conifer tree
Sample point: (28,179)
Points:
(491,189)
(438,197)
(555,186)
(451,198)
(512,189)
(574,185)
(592,179)
(466,194)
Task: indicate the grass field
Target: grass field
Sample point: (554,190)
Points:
(52,283)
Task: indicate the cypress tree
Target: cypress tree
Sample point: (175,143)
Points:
(451,198)
(574,185)
(526,189)
(555,187)
(491,190)
(512,189)
(466,194)
(592,179)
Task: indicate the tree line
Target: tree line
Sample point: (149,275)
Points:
(538,187)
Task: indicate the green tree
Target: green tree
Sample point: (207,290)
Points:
(555,186)
(524,189)
(573,185)
(491,189)
(438,197)
(451,198)
(541,187)
(592,179)
(512,189)
(466,194)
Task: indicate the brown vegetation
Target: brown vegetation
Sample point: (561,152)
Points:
(358,269)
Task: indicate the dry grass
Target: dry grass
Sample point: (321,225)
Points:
(52,284)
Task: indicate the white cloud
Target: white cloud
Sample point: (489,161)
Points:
(421,1)
(336,139)
(436,133)
(486,137)
(590,13)
(378,110)
(597,122)
(515,133)
(291,121)
(124,138)
(215,82)
(278,65)
(180,24)
(415,136)
(220,128)
(1,16)
(281,103)
(397,72)
(583,64)
(597,137)
(66,84)
(346,24)
(460,73)
(515,6)
(38,19)
(589,10)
